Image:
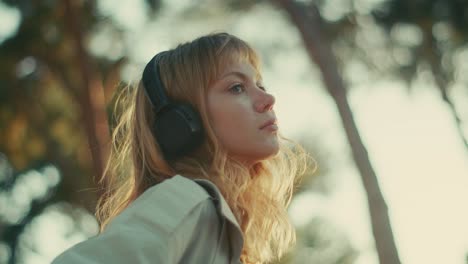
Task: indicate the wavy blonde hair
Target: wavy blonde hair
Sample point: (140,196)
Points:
(258,196)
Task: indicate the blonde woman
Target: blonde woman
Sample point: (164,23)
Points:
(198,172)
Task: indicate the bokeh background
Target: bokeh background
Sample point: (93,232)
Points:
(376,90)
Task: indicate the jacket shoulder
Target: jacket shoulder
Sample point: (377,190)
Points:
(133,242)
(165,205)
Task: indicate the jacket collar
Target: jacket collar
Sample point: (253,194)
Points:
(222,206)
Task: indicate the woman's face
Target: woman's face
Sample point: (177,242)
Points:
(239,107)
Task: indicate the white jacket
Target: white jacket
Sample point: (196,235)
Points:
(176,221)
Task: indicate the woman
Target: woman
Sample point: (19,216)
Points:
(198,172)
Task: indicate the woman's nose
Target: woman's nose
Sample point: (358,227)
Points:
(265,102)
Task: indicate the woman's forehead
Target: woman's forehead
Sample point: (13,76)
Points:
(235,61)
(241,69)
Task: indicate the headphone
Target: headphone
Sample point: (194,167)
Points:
(177,126)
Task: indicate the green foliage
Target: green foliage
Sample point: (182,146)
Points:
(41,106)
(431,11)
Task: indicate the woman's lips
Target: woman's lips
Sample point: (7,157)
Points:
(270,125)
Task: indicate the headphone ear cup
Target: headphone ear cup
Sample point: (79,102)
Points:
(178,130)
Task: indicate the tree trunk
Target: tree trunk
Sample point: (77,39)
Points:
(308,21)
(440,78)
(92,100)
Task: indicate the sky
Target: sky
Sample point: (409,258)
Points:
(411,138)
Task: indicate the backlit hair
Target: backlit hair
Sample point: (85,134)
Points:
(258,196)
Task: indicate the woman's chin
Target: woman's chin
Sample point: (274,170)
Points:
(266,155)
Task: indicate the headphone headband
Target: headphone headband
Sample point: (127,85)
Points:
(153,85)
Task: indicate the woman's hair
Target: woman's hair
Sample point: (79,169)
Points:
(258,196)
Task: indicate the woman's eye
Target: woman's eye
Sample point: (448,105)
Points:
(262,87)
(238,88)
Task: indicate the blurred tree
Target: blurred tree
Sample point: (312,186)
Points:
(443,26)
(53,97)
(319,241)
(309,23)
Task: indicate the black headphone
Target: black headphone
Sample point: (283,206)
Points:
(177,126)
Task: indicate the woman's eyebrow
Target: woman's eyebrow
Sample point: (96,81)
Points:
(235,73)
(241,75)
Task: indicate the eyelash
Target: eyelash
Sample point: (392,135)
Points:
(232,89)
(237,85)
